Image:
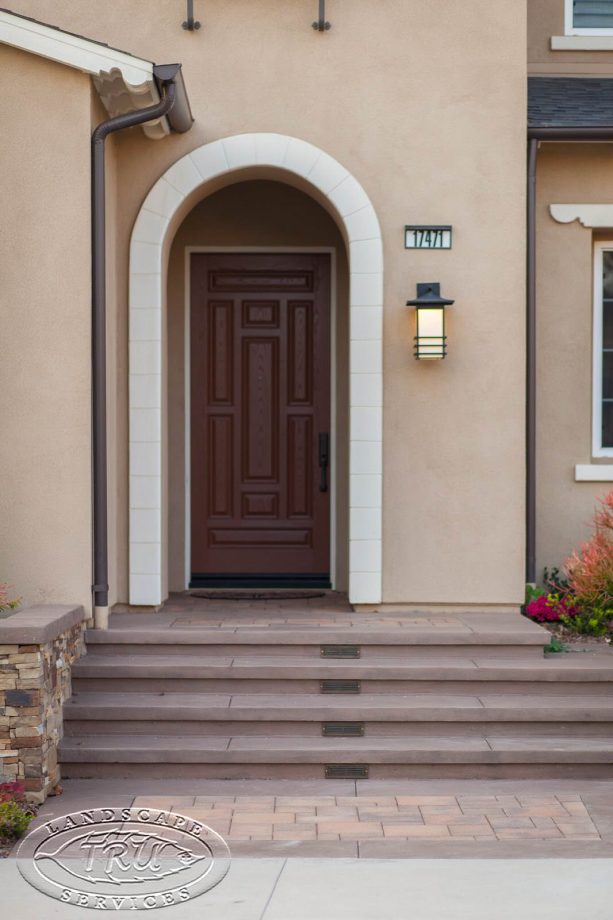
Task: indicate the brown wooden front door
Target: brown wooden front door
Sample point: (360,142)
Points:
(260,419)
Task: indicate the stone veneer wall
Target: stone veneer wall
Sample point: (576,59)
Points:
(37,648)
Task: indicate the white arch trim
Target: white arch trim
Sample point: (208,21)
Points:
(356,216)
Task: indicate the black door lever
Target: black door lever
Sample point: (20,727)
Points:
(324,460)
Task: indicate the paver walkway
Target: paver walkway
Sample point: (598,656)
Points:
(401,817)
(446,818)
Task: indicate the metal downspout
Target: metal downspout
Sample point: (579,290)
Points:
(100,587)
(531,366)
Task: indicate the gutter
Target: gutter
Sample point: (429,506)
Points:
(592,133)
(174,106)
(536,134)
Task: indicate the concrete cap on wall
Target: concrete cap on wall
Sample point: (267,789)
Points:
(36,625)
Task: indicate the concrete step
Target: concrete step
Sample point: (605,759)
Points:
(240,695)
(519,638)
(295,714)
(570,675)
(329,728)
(255,757)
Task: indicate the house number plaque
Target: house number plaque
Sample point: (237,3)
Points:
(422,236)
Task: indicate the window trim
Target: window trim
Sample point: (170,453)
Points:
(597,344)
(570,29)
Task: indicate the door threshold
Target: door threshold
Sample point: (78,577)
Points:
(254,594)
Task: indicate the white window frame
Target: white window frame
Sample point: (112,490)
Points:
(597,448)
(570,29)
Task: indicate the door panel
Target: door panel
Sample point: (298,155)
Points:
(260,399)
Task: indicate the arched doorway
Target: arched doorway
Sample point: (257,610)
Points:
(190,179)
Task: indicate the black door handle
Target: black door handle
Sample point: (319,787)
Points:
(324,460)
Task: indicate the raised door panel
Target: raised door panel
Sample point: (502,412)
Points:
(260,410)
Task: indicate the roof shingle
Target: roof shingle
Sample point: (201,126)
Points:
(565,102)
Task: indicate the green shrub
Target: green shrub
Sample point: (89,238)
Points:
(533,592)
(595,621)
(14,821)
(555,647)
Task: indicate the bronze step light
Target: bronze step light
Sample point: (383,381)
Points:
(340,686)
(340,651)
(346,771)
(342,729)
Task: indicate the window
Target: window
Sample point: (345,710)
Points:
(603,351)
(589,17)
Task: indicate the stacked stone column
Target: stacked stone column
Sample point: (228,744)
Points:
(34,683)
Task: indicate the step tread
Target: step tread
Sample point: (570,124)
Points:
(574,668)
(315,707)
(237,749)
(282,618)
(318,635)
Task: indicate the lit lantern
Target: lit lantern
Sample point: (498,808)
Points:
(430,341)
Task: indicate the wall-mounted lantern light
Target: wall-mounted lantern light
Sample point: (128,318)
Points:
(190,24)
(430,341)
(321,24)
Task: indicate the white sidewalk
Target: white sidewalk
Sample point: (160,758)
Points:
(350,889)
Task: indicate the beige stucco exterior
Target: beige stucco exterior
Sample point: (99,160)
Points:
(425,107)
(566,173)
(45,494)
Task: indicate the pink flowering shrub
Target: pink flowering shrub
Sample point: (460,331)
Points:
(551,608)
(12,792)
(15,813)
(583,600)
(6,602)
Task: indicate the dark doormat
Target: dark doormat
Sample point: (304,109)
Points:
(257,595)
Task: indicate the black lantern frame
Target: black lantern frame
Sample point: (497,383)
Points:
(431,340)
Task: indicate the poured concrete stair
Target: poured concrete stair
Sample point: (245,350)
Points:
(467,696)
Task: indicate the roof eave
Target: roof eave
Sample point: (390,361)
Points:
(124,82)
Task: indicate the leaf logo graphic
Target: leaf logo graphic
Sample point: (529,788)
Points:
(117,856)
(123,858)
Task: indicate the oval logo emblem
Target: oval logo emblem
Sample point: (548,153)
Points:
(123,858)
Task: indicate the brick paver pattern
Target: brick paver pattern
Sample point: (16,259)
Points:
(379,817)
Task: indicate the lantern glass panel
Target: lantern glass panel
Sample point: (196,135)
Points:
(430,344)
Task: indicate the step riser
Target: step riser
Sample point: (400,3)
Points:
(449,727)
(316,771)
(313,652)
(544,688)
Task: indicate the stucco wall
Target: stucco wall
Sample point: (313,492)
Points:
(425,105)
(566,173)
(251,214)
(564,313)
(45,331)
